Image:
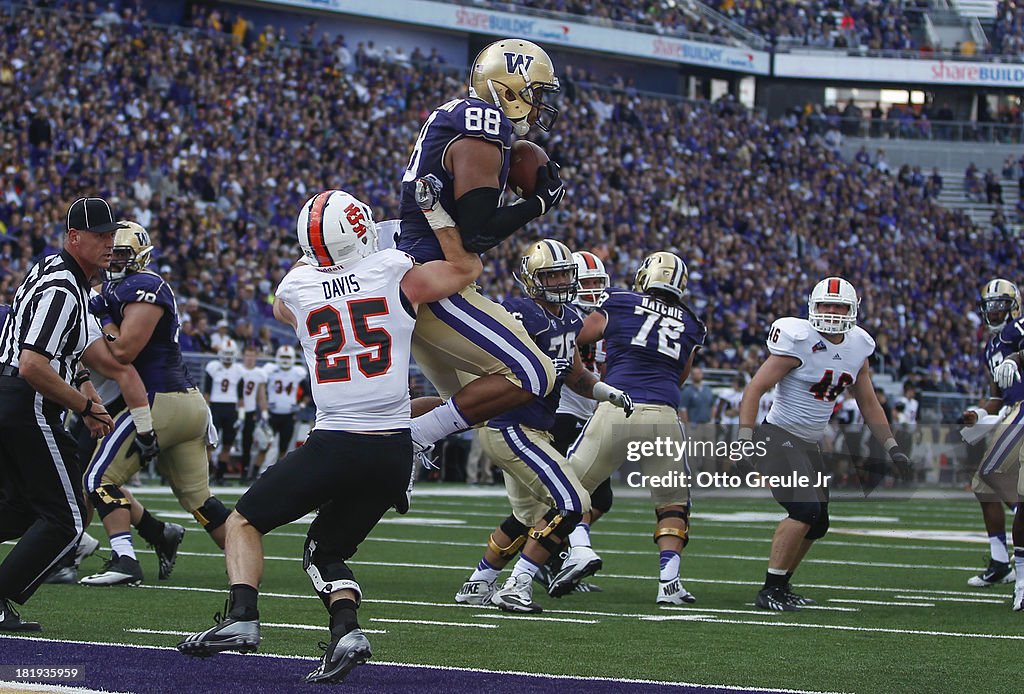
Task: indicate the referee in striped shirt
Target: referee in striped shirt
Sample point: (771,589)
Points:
(40,346)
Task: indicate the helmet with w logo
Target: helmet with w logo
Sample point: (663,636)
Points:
(1000,303)
(662,272)
(514,75)
(547,271)
(335,229)
(132,250)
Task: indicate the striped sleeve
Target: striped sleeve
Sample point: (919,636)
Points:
(54,315)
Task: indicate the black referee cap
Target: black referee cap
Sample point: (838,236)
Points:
(91,214)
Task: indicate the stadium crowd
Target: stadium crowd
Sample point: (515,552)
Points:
(212,140)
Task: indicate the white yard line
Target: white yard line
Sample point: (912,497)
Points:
(528,618)
(434,623)
(881,602)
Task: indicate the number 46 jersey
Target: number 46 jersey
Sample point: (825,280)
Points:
(355,328)
(806,396)
(648,343)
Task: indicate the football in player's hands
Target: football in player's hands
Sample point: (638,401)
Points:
(526,158)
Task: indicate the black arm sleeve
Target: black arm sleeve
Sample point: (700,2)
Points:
(208,384)
(483,225)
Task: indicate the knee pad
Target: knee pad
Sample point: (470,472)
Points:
(673,512)
(804,511)
(211,515)
(328,573)
(107,498)
(513,529)
(820,526)
(560,524)
(601,498)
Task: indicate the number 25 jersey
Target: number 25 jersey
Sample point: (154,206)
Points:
(355,329)
(806,396)
(648,344)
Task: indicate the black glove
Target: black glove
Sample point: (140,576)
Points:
(904,467)
(146,445)
(550,190)
(562,366)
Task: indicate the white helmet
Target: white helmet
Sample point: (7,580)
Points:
(833,290)
(228,352)
(285,356)
(589,267)
(335,229)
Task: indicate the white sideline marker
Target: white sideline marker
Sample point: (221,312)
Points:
(537,619)
(433,623)
(978,600)
(882,602)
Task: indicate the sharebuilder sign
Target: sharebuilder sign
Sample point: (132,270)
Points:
(830,66)
(549,31)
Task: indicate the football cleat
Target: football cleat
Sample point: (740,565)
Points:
(118,571)
(774,599)
(796,598)
(584,587)
(516,595)
(341,656)
(65,574)
(997,572)
(673,593)
(167,549)
(475,593)
(544,576)
(581,562)
(226,635)
(87,547)
(1018,596)
(10,620)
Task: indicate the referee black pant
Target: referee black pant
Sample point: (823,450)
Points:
(40,488)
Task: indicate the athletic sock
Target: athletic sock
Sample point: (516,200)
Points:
(580,536)
(243,603)
(150,529)
(997,545)
(669,561)
(485,572)
(1018,560)
(343,616)
(775,578)
(438,423)
(121,543)
(525,565)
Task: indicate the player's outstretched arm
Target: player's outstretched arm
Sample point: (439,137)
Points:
(593,328)
(439,279)
(771,372)
(140,320)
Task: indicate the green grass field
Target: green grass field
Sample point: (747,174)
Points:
(894,612)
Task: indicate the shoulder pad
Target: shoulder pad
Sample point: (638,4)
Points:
(145,287)
(612,296)
(785,336)
(865,337)
(527,312)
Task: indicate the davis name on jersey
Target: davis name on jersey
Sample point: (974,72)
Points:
(470,117)
(225,382)
(356,345)
(159,363)
(283,386)
(648,344)
(556,336)
(1009,340)
(806,396)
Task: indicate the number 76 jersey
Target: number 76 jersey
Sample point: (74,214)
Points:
(806,396)
(647,344)
(355,328)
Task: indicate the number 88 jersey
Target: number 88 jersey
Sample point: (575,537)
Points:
(805,397)
(454,120)
(648,343)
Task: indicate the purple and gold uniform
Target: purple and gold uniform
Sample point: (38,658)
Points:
(648,343)
(464,333)
(1005,448)
(538,477)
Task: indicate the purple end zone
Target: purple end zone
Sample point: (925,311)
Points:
(146,669)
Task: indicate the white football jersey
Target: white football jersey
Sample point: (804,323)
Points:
(572,402)
(388,232)
(225,381)
(356,336)
(283,387)
(806,396)
(252,379)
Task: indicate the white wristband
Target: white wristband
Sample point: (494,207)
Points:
(745,434)
(890,443)
(438,218)
(604,392)
(143,419)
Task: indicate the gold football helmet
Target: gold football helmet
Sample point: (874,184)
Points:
(662,271)
(999,304)
(132,250)
(514,74)
(548,271)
